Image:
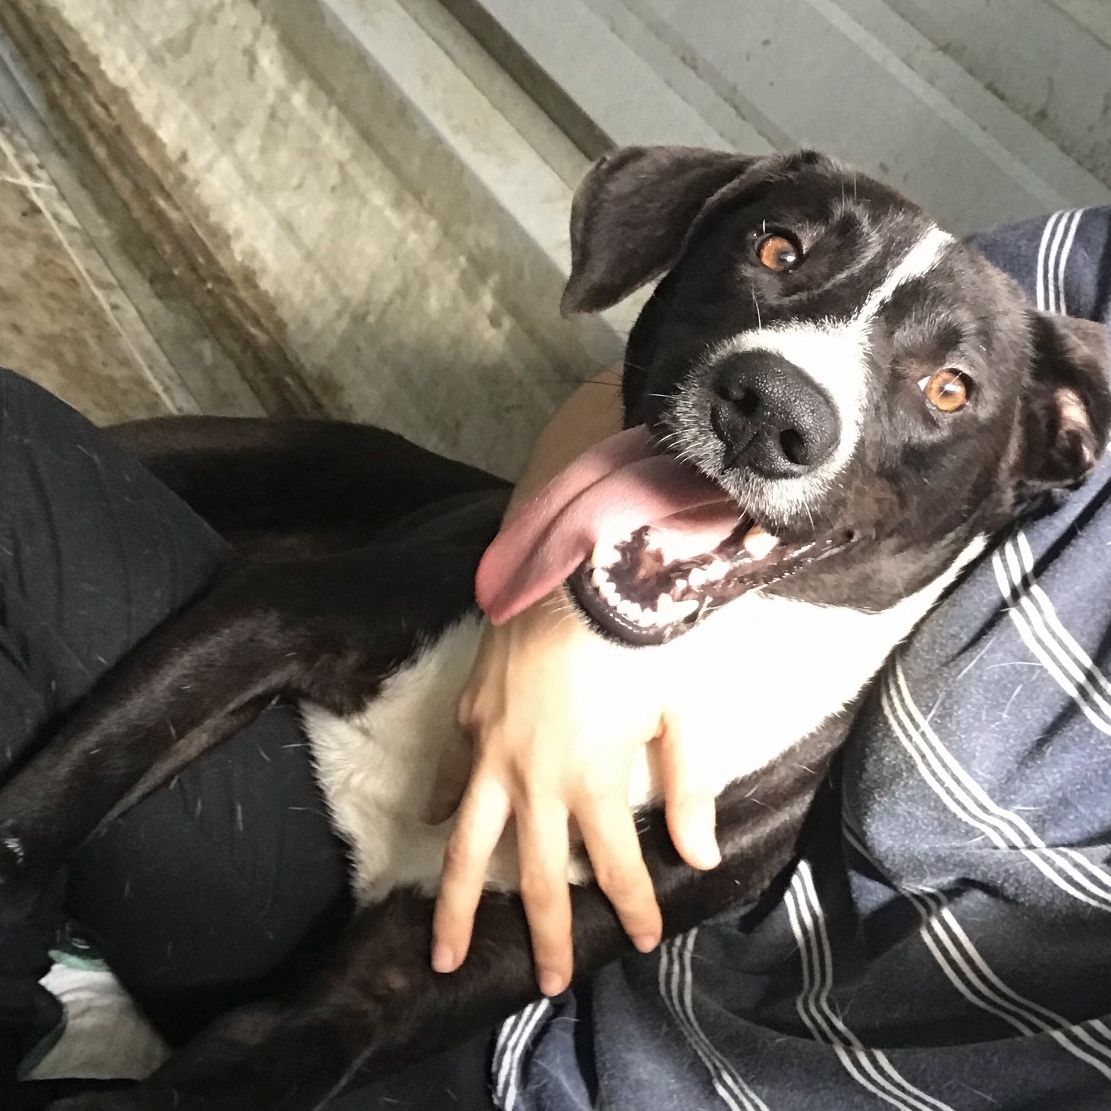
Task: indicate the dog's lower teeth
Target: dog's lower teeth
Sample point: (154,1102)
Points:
(666,609)
(759,542)
(603,556)
(628,609)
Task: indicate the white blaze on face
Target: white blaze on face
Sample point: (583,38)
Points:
(833,354)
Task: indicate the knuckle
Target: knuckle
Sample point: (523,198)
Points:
(621,885)
(537,786)
(539,893)
(596,794)
(476,712)
(458,856)
(464,711)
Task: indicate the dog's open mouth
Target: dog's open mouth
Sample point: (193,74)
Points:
(644,591)
(647,544)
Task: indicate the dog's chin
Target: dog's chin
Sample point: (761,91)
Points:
(634,590)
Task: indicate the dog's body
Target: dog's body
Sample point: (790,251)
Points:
(877,399)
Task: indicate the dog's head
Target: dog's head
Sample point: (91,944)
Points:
(871,392)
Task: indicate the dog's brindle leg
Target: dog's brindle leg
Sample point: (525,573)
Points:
(325,630)
(377,1006)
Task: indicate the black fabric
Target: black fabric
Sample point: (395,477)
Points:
(199,892)
(28,1012)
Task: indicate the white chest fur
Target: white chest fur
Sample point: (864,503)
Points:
(377,768)
(742,687)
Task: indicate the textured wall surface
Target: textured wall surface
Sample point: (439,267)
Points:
(64,320)
(383,314)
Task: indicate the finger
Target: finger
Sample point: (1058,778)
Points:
(466,710)
(689,806)
(482,818)
(543,850)
(450,784)
(610,837)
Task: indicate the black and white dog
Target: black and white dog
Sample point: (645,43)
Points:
(867,399)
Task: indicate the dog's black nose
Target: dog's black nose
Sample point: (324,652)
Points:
(771,416)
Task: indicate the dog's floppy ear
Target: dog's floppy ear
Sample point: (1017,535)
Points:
(1068,415)
(631,215)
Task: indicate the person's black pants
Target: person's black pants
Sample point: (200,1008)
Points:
(200,892)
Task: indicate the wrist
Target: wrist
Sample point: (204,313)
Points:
(593,412)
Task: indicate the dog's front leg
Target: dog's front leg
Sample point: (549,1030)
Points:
(374,1007)
(377,1006)
(327,630)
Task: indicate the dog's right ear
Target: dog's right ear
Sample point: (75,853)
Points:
(631,216)
(1068,402)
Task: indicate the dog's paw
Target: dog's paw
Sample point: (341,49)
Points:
(98,1101)
(19,890)
(132,1097)
(150,1097)
(12,857)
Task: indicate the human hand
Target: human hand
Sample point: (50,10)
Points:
(558,716)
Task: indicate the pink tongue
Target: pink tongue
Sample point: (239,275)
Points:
(609,492)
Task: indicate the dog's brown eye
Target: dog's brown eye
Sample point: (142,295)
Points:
(777,251)
(946,390)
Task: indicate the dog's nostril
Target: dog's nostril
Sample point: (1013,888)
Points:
(794,447)
(748,403)
(770,415)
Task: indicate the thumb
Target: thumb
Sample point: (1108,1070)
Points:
(453,772)
(688,805)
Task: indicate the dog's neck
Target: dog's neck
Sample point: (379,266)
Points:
(763,672)
(741,689)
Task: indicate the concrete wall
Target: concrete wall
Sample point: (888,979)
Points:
(1050,64)
(362,303)
(948,119)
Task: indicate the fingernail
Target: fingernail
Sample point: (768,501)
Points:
(708,855)
(646,942)
(551,983)
(443,959)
